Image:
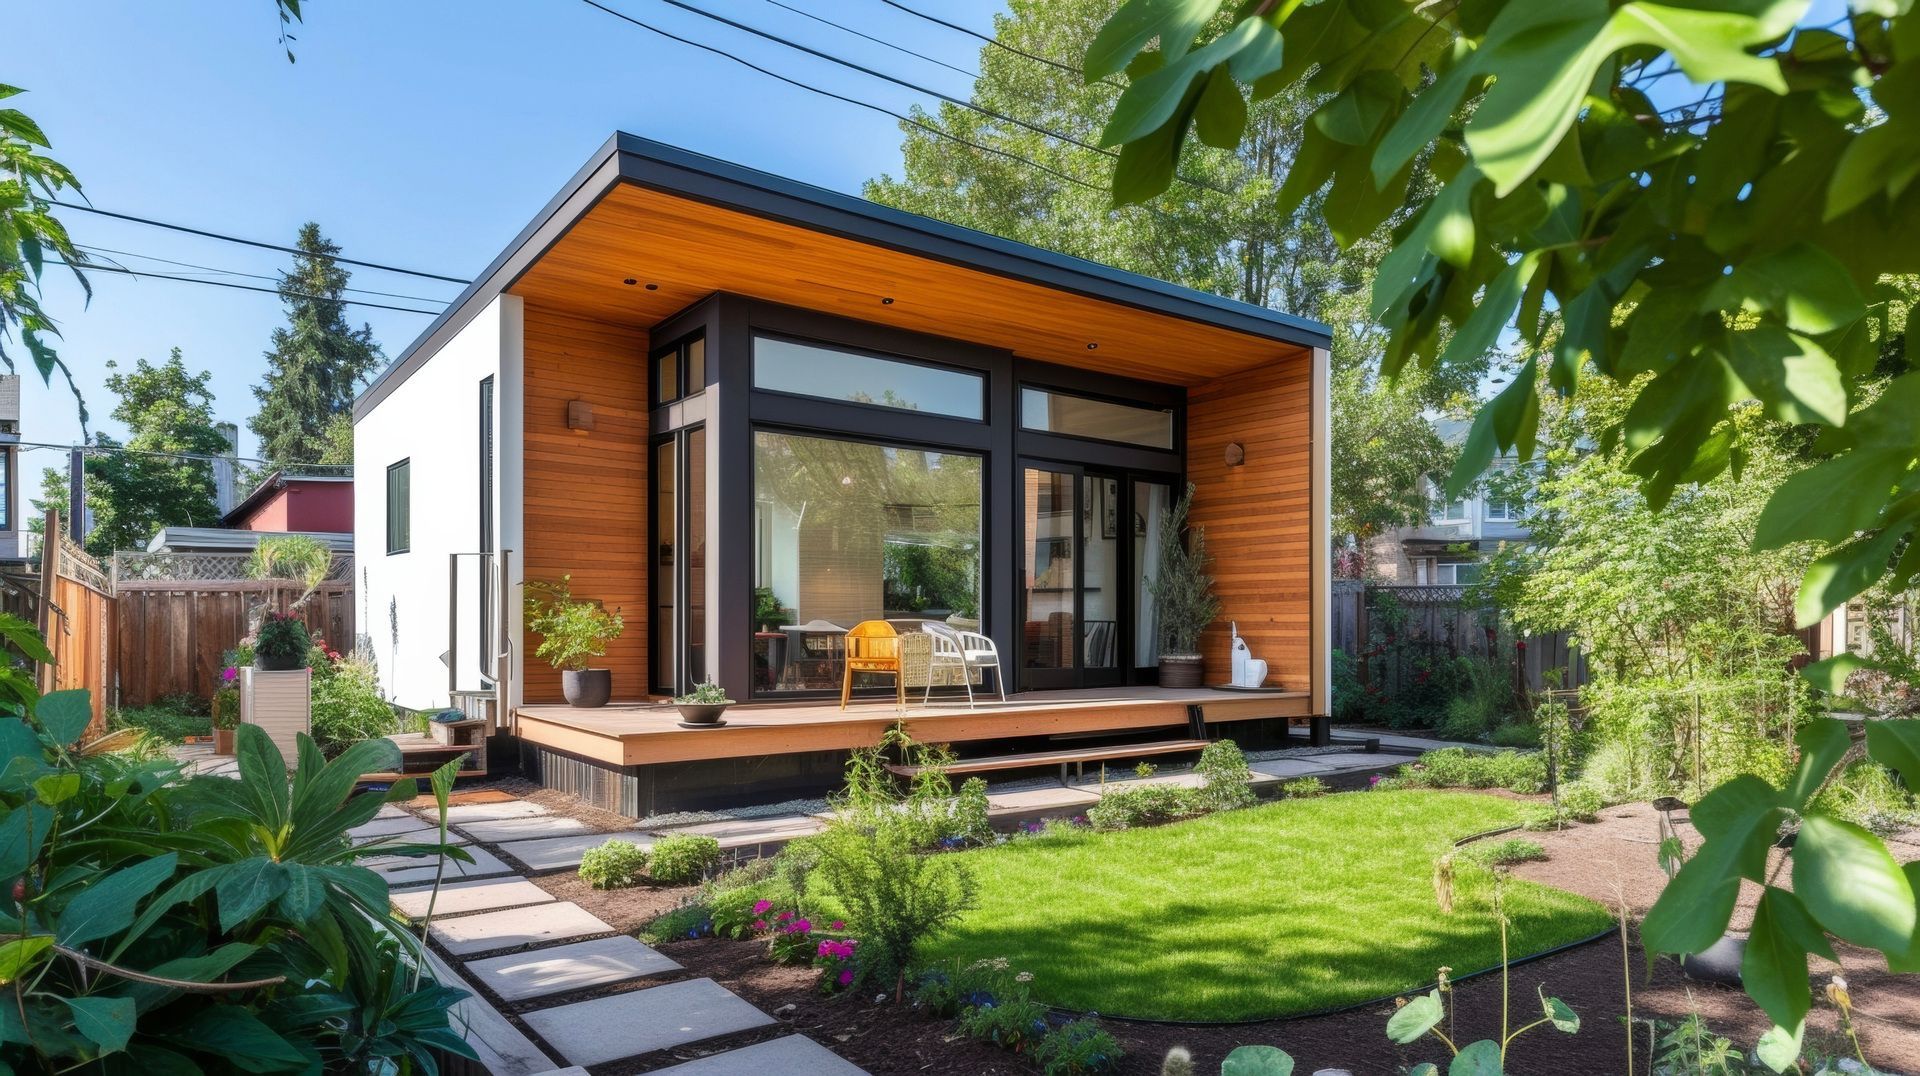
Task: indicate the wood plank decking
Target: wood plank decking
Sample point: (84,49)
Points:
(627,734)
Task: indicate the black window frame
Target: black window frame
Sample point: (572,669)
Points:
(1175,416)
(756,333)
(405,468)
(678,349)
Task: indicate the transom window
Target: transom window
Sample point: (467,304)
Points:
(680,370)
(828,373)
(1101,420)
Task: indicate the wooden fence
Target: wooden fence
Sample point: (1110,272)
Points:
(1393,633)
(173,633)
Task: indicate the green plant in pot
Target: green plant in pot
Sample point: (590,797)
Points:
(281,643)
(703,705)
(573,631)
(1183,599)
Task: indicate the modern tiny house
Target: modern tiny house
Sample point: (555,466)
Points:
(749,413)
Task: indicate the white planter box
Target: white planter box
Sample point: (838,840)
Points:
(281,703)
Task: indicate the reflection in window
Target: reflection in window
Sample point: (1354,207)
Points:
(1102,420)
(852,531)
(831,374)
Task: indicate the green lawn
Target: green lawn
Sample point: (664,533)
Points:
(1285,908)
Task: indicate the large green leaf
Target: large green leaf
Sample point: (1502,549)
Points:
(1793,377)
(1833,499)
(1836,577)
(1480,1058)
(1738,820)
(1779,1048)
(1774,966)
(1821,744)
(1802,285)
(1417,1017)
(1851,885)
(1257,1061)
(22,833)
(1895,743)
(1559,1013)
(1137,24)
(65,715)
(106,906)
(107,1022)
(19,954)
(248,887)
(234,1033)
(263,775)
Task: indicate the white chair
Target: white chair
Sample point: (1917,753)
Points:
(965,651)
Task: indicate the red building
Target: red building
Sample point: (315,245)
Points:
(306,504)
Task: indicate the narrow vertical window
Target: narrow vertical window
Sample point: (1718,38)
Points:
(399,507)
(486,465)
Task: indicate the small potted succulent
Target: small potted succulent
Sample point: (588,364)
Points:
(702,707)
(572,633)
(1183,599)
(281,644)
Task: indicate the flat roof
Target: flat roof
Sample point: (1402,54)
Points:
(627,159)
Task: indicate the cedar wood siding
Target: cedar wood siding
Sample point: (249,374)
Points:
(586,492)
(1257,515)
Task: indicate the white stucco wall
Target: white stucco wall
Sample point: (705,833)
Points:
(433,420)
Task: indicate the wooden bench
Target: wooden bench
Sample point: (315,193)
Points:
(1077,759)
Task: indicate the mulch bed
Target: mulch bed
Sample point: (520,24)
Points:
(1607,861)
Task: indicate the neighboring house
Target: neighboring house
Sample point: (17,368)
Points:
(1451,546)
(14,535)
(306,502)
(749,413)
(226,540)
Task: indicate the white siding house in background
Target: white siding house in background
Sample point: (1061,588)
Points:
(1448,548)
(418,495)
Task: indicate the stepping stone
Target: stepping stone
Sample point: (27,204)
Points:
(739,832)
(410,871)
(390,811)
(487,812)
(795,1055)
(475,896)
(540,972)
(1178,780)
(515,927)
(1362,760)
(1042,799)
(386,827)
(563,853)
(430,835)
(642,1021)
(503,1048)
(497,830)
(1284,768)
(570,1070)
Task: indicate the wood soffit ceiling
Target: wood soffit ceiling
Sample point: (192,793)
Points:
(688,249)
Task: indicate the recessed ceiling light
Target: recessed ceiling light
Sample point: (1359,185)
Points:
(888,301)
(653,287)
(1093,347)
(629,282)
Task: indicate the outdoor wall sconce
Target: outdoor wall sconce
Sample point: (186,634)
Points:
(580,416)
(1235,454)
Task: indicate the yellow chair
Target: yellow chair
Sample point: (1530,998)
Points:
(872,647)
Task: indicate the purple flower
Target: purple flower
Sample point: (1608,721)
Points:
(838,925)
(803,925)
(846,977)
(759,924)
(783,917)
(229,674)
(760,906)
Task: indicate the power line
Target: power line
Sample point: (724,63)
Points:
(254,242)
(997,43)
(876,40)
(870,106)
(102,268)
(236,272)
(905,84)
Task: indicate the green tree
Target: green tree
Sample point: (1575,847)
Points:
(337,447)
(29,180)
(317,362)
(1223,231)
(160,477)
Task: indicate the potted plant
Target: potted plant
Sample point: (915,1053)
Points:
(1183,599)
(281,643)
(226,710)
(703,706)
(767,610)
(572,633)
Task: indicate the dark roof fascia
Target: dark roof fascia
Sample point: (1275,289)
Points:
(587,187)
(683,173)
(723,183)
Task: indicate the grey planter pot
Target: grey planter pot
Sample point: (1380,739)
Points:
(586,688)
(1181,670)
(701,714)
(279,662)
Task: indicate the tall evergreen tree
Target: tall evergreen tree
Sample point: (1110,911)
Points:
(317,361)
(1219,232)
(162,475)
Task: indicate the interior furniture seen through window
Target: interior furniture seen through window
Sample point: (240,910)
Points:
(399,506)
(829,373)
(1101,420)
(852,531)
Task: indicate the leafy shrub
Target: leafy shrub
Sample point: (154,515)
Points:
(1348,697)
(1223,769)
(896,896)
(1458,767)
(165,722)
(1077,1048)
(1516,736)
(185,702)
(683,858)
(1579,802)
(930,814)
(693,919)
(732,911)
(1012,1020)
(1870,796)
(282,636)
(348,707)
(613,865)
(972,822)
(1304,787)
(1144,805)
(1503,853)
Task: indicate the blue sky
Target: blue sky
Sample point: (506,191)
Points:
(421,135)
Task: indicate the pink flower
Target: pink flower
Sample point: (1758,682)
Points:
(802,925)
(229,674)
(759,924)
(760,906)
(838,925)
(846,977)
(783,917)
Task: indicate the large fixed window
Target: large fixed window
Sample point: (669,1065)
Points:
(803,369)
(400,506)
(852,531)
(1101,420)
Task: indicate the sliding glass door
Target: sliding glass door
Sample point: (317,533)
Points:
(1084,600)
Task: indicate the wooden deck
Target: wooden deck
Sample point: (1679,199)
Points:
(628,734)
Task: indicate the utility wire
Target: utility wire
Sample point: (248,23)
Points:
(876,40)
(905,84)
(997,43)
(101,267)
(255,242)
(236,272)
(870,106)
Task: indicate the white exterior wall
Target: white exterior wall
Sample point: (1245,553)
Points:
(432,420)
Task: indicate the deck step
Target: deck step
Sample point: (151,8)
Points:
(1077,758)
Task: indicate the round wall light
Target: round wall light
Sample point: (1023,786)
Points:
(1236,455)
